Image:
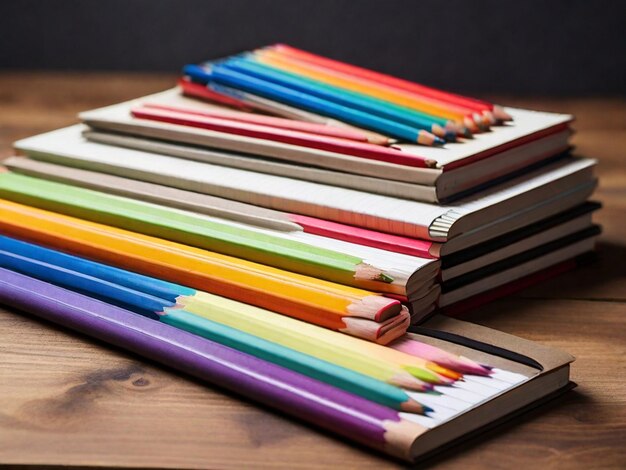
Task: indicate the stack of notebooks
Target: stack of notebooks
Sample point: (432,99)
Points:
(294,228)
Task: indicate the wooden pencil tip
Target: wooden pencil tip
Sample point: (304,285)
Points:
(427,138)
(367,272)
(379,140)
(490,118)
(438,141)
(500,114)
(450,374)
(450,136)
(440,131)
(471,125)
(472,367)
(406,380)
(413,406)
(465,132)
(375,307)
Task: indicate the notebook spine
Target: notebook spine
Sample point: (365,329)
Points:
(440,227)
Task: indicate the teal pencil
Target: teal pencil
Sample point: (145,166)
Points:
(359,384)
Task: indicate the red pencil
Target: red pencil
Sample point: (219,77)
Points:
(198,90)
(367,237)
(277,122)
(331,144)
(486,108)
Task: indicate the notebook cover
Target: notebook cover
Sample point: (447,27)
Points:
(462,337)
(520,258)
(520,234)
(465,306)
(487,431)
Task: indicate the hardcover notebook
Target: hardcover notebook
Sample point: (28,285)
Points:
(510,205)
(454,264)
(522,372)
(458,168)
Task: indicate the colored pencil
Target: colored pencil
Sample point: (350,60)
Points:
(363,385)
(118,287)
(368,237)
(439,127)
(225,76)
(370,87)
(313,341)
(201,91)
(341,146)
(248,102)
(471,103)
(321,404)
(444,358)
(270,121)
(333,306)
(222,208)
(191,229)
(154,297)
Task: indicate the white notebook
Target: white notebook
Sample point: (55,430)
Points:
(516,198)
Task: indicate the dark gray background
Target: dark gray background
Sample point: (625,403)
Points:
(518,47)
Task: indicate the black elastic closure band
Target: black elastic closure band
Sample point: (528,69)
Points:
(477,345)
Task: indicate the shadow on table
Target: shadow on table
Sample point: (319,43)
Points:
(558,403)
(600,279)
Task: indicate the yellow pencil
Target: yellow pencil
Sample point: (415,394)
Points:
(343,350)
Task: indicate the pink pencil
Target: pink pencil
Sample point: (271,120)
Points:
(439,356)
(332,144)
(280,123)
(363,236)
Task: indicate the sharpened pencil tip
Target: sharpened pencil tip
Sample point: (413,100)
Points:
(413,406)
(450,136)
(500,114)
(427,138)
(465,132)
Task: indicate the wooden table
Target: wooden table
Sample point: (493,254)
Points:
(67,400)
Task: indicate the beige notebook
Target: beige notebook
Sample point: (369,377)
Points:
(525,373)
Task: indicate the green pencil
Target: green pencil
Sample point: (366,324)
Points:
(192,229)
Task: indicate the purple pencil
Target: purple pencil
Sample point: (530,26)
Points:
(319,403)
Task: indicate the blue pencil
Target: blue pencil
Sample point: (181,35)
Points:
(225,76)
(249,66)
(140,294)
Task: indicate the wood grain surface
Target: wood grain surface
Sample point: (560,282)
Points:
(69,401)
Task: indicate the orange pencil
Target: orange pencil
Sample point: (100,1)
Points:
(353,311)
